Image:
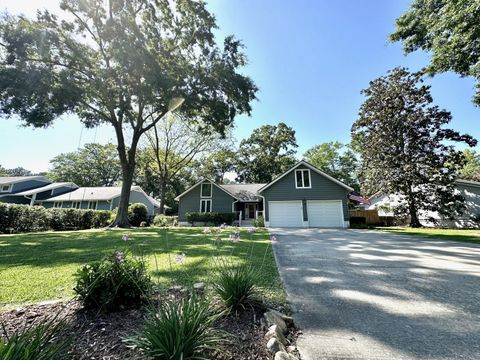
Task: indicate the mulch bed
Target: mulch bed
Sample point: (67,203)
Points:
(99,336)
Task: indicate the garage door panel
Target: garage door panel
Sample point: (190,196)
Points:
(322,213)
(286,214)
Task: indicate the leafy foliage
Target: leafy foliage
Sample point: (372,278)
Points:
(94,165)
(471,170)
(37,342)
(235,285)
(179,330)
(116,281)
(137,213)
(267,153)
(259,221)
(447,29)
(164,221)
(24,218)
(210,218)
(335,159)
(217,164)
(403,145)
(125,63)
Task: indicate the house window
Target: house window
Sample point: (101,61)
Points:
(302,179)
(205,205)
(6,188)
(206,190)
(58,204)
(76,204)
(92,205)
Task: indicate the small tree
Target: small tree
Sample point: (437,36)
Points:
(267,153)
(125,63)
(471,170)
(402,141)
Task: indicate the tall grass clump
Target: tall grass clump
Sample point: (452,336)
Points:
(179,330)
(43,341)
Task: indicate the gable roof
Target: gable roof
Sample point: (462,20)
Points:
(5,180)
(311,167)
(94,194)
(244,192)
(51,186)
(200,182)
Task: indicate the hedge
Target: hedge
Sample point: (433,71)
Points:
(211,218)
(165,221)
(23,218)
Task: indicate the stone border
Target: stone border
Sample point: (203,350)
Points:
(277,343)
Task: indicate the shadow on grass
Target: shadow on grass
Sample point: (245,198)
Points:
(470,236)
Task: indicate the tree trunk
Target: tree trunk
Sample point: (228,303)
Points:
(414,222)
(163,189)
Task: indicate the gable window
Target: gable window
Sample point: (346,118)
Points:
(58,204)
(205,205)
(6,188)
(92,205)
(302,179)
(206,190)
(76,204)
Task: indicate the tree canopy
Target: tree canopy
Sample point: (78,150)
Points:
(405,147)
(335,159)
(471,170)
(93,165)
(449,30)
(267,153)
(126,63)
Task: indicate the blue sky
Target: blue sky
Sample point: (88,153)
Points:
(310,59)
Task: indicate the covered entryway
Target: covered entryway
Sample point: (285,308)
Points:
(325,213)
(285,214)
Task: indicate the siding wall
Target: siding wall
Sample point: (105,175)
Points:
(26,185)
(321,189)
(190,202)
(136,197)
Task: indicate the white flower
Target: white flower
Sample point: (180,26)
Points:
(180,258)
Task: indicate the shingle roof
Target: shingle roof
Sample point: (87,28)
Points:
(244,192)
(14,179)
(46,188)
(92,193)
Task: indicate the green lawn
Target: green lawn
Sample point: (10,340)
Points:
(40,266)
(443,234)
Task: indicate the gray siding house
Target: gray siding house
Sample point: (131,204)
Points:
(38,190)
(303,196)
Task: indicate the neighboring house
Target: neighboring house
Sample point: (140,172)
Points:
(470,190)
(303,196)
(38,190)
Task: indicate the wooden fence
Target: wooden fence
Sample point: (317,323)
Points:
(371,216)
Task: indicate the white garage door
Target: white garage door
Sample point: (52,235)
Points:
(286,213)
(325,213)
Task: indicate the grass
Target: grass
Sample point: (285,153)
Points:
(472,236)
(36,267)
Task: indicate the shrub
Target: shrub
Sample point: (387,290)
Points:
(100,218)
(210,218)
(236,285)
(354,220)
(137,213)
(36,342)
(179,330)
(164,221)
(259,222)
(118,280)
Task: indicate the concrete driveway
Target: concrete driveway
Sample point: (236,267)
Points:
(360,294)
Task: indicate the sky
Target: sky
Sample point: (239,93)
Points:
(309,58)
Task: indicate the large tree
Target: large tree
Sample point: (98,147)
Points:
(267,153)
(93,165)
(405,148)
(447,29)
(126,63)
(335,159)
(471,170)
(171,145)
(217,164)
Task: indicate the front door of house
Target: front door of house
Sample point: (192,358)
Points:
(251,208)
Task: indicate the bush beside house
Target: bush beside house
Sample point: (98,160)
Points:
(210,218)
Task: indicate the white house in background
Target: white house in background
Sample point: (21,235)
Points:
(470,190)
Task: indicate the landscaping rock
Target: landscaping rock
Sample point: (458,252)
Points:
(282,355)
(291,348)
(288,319)
(275,332)
(273,318)
(199,286)
(274,346)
